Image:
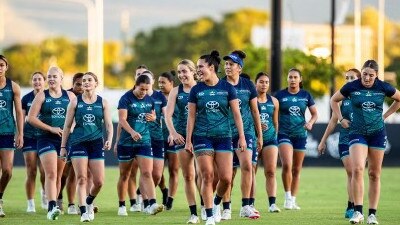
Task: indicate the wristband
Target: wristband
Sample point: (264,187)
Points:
(63,147)
(341,119)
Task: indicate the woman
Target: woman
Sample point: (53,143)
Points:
(292,133)
(367,138)
(346,110)
(166,84)
(210,103)
(135,110)
(178,98)
(269,110)
(247,96)
(30,143)
(47,113)
(89,111)
(10,99)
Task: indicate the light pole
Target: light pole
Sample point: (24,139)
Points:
(381,39)
(357,34)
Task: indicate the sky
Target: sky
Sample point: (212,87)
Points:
(34,20)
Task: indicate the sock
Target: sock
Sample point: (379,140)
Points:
(145,203)
(352,205)
(245,201)
(349,205)
(193,210)
(271,200)
(82,209)
(209,212)
(226,205)
(132,201)
(371,211)
(60,196)
(1,195)
(51,205)
(138,191)
(358,208)
(217,200)
(31,201)
(251,201)
(170,200)
(89,199)
(164,196)
(152,201)
(288,195)
(293,199)
(121,203)
(201,201)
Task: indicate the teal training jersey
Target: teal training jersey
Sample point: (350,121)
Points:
(266,116)
(136,109)
(292,109)
(246,91)
(156,132)
(347,112)
(29,130)
(89,119)
(367,105)
(53,112)
(212,104)
(7,123)
(182,110)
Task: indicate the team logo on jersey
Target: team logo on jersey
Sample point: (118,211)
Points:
(48,100)
(264,117)
(284,99)
(263,108)
(368,94)
(294,111)
(212,106)
(294,100)
(2,103)
(89,108)
(212,93)
(80,105)
(201,93)
(357,93)
(142,106)
(58,102)
(180,97)
(89,118)
(134,105)
(368,106)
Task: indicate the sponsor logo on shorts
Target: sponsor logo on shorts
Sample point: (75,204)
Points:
(200,146)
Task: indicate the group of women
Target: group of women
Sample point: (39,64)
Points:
(209,126)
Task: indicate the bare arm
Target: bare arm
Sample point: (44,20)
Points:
(118,134)
(394,106)
(173,135)
(313,119)
(276,114)
(19,115)
(108,124)
(123,115)
(328,131)
(335,106)
(34,112)
(257,122)
(190,126)
(234,104)
(69,119)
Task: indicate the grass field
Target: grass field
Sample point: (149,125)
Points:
(322,199)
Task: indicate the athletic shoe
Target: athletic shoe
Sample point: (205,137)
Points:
(72,210)
(193,219)
(155,208)
(295,206)
(31,208)
(288,204)
(203,213)
(43,199)
(60,205)
(349,213)
(357,218)
(53,214)
(135,208)
(248,212)
(372,219)
(85,217)
(122,211)
(226,214)
(146,210)
(139,200)
(273,209)
(210,221)
(217,213)
(2,214)
(254,209)
(90,212)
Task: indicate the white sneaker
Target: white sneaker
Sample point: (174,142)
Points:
(90,211)
(254,209)
(31,207)
(139,200)
(246,211)
(357,218)
(210,221)
(226,214)
(217,213)
(295,206)
(288,204)
(193,219)
(203,213)
(146,210)
(372,219)
(72,210)
(122,211)
(155,208)
(85,217)
(54,213)
(135,208)
(43,199)
(2,214)
(273,209)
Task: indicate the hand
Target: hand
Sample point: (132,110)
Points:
(63,153)
(308,126)
(242,143)
(189,147)
(107,145)
(136,136)
(259,144)
(345,123)
(176,138)
(56,130)
(19,141)
(150,116)
(115,150)
(321,148)
(264,126)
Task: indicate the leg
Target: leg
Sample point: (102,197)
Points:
(72,184)
(31,170)
(298,158)
(124,173)
(358,156)
(246,170)
(269,157)
(132,180)
(146,179)
(97,170)
(173,169)
(375,158)
(186,160)
(49,163)
(80,166)
(6,159)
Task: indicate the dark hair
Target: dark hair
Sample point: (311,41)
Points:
(260,74)
(142,67)
(76,77)
(245,75)
(40,73)
(2,57)
(169,75)
(356,71)
(212,59)
(142,80)
(239,53)
(93,75)
(371,64)
(147,72)
(299,72)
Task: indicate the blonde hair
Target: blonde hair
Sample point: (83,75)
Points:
(55,69)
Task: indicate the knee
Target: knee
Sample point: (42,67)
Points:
(188,177)
(98,183)
(357,171)
(146,174)
(269,174)
(286,167)
(296,172)
(82,180)
(374,176)
(246,167)
(123,177)
(6,174)
(207,177)
(31,174)
(225,180)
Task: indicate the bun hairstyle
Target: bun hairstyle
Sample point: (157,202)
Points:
(371,64)
(260,74)
(299,72)
(170,75)
(212,59)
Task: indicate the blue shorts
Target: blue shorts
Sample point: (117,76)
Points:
(250,147)
(210,145)
(30,145)
(298,143)
(157,147)
(254,156)
(87,149)
(272,142)
(377,140)
(7,142)
(46,145)
(343,151)
(128,153)
(169,149)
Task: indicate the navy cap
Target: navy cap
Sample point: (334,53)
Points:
(235,58)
